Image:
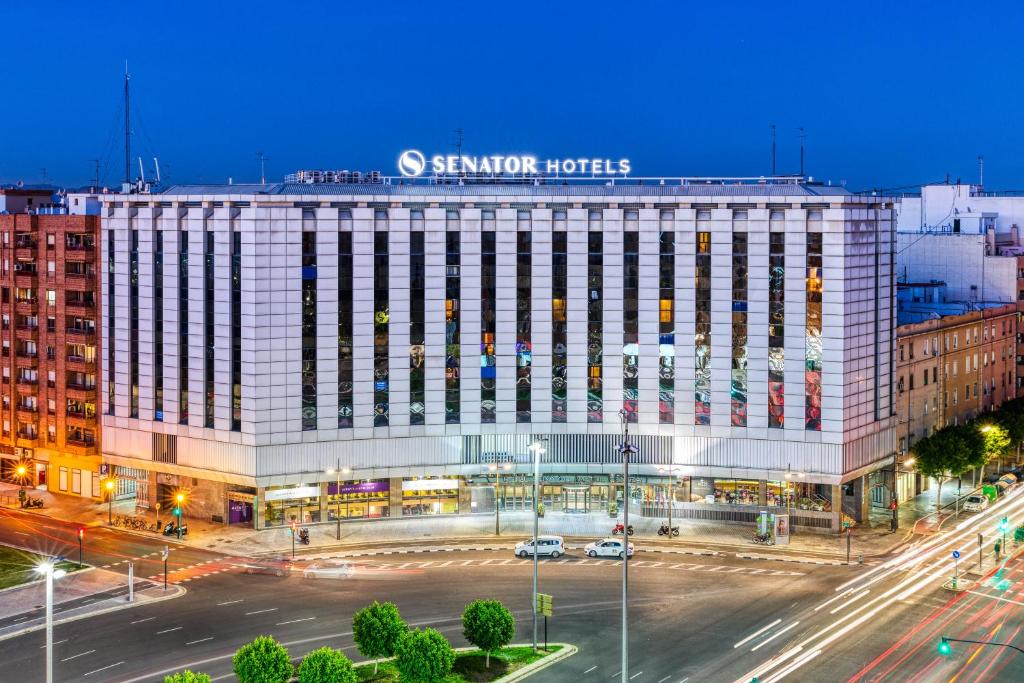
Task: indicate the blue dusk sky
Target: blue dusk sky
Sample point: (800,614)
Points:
(890,93)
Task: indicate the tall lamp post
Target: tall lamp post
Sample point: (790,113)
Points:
(180,500)
(671,471)
(497,468)
(110,485)
(537,449)
(626,449)
(48,570)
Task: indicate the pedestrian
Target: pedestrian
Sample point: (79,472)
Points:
(998,548)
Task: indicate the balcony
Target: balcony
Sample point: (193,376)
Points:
(80,392)
(79,364)
(27,439)
(76,446)
(79,281)
(26,279)
(25,305)
(24,359)
(80,307)
(28,332)
(26,414)
(25,249)
(79,252)
(81,333)
(28,386)
(75,418)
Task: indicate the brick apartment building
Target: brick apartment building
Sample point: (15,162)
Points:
(49,308)
(952,364)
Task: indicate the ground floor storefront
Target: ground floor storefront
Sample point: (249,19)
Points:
(51,470)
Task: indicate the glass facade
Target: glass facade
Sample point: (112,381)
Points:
(452,333)
(488,317)
(182,328)
(209,340)
(236,331)
(133,315)
(559,326)
(309,417)
(738,378)
(776,328)
(381,317)
(630,323)
(111,321)
(417,329)
(702,330)
(158,326)
(595,325)
(666,322)
(812,353)
(524,347)
(345,321)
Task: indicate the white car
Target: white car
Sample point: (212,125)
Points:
(975,502)
(552,546)
(328,569)
(607,547)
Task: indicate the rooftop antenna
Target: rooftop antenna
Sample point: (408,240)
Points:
(803,138)
(142,171)
(156,165)
(127,131)
(981,171)
(96,173)
(263,167)
(773,149)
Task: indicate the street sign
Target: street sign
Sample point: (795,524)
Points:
(545,604)
(165,553)
(956,554)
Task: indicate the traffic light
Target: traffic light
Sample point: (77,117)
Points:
(177,511)
(81,534)
(944,648)
(1004,524)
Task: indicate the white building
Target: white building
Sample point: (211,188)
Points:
(263,342)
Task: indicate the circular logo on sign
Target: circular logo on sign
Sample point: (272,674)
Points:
(956,554)
(412,163)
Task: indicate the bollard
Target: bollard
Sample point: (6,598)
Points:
(860,559)
(131,582)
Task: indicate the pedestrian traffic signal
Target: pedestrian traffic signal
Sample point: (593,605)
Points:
(944,648)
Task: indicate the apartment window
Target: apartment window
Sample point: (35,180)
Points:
(924,377)
(51,240)
(453,319)
(776,332)
(309,417)
(666,326)
(902,358)
(702,330)
(595,321)
(488,317)
(182,327)
(209,341)
(911,378)
(345,321)
(417,338)
(630,324)
(559,326)
(381,318)
(51,297)
(236,331)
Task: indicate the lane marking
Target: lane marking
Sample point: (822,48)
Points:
(635,675)
(229,602)
(762,644)
(201,640)
(103,669)
(80,654)
(139,621)
(176,628)
(56,642)
(996,597)
(261,611)
(756,634)
(664,679)
(20,533)
(855,597)
(590,669)
(294,621)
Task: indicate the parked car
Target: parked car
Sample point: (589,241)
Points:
(553,546)
(607,547)
(275,567)
(328,569)
(975,502)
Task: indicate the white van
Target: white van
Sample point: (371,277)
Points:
(546,545)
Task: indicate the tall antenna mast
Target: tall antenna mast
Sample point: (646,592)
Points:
(127,131)
(458,143)
(263,167)
(981,170)
(96,171)
(773,149)
(803,137)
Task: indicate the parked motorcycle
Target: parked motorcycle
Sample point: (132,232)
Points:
(304,536)
(31,502)
(171,529)
(619,529)
(764,539)
(663,530)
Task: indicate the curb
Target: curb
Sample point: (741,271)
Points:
(567,650)
(177,592)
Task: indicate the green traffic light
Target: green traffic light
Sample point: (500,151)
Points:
(944,648)
(177,511)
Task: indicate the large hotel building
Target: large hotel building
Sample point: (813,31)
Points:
(304,351)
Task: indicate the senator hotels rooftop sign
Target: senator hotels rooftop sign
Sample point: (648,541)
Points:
(413,163)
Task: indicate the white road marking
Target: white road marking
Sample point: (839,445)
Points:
(294,621)
(103,669)
(229,602)
(21,533)
(261,611)
(80,654)
(176,628)
(755,634)
(201,640)
(995,597)
(635,675)
(139,621)
(664,679)
(56,642)
(590,669)
(762,644)
(856,597)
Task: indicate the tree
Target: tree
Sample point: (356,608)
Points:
(997,444)
(489,625)
(1011,417)
(377,629)
(263,660)
(187,676)
(947,453)
(326,666)
(424,656)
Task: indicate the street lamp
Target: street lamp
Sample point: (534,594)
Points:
(625,448)
(496,468)
(48,570)
(537,449)
(109,485)
(671,471)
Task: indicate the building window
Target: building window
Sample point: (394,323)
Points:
(630,324)
(666,325)
(595,323)
(488,315)
(702,331)
(158,326)
(133,318)
(738,379)
(452,349)
(813,335)
(111,321)
(182,327)
(345,410)
(209,341)
(524,346)
(559,326)
(776,333)
(381,317)
(309,330)
(417,328)
(236,331)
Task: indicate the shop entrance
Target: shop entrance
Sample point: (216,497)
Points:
(576,499)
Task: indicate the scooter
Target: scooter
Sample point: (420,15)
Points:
(32,503)
(171,530)
(764,539)
(663,530)
(618,530)
(304,536)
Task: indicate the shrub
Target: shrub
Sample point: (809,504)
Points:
(187,676)
(489,625)
(1018,534)
(377,629)
(326,666)
(263,661)
(424,656)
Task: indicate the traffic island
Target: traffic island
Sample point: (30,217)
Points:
(17,567)
(508,664)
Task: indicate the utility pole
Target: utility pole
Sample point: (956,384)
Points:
(96,174)
(803,137)
(981,171)
(773,149)
(127,131)
(625,448)
(263,167)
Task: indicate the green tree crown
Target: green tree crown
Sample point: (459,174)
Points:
(187,676)
(489,625)
(263,660)
(326,665)
(377,628)
(424,656)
